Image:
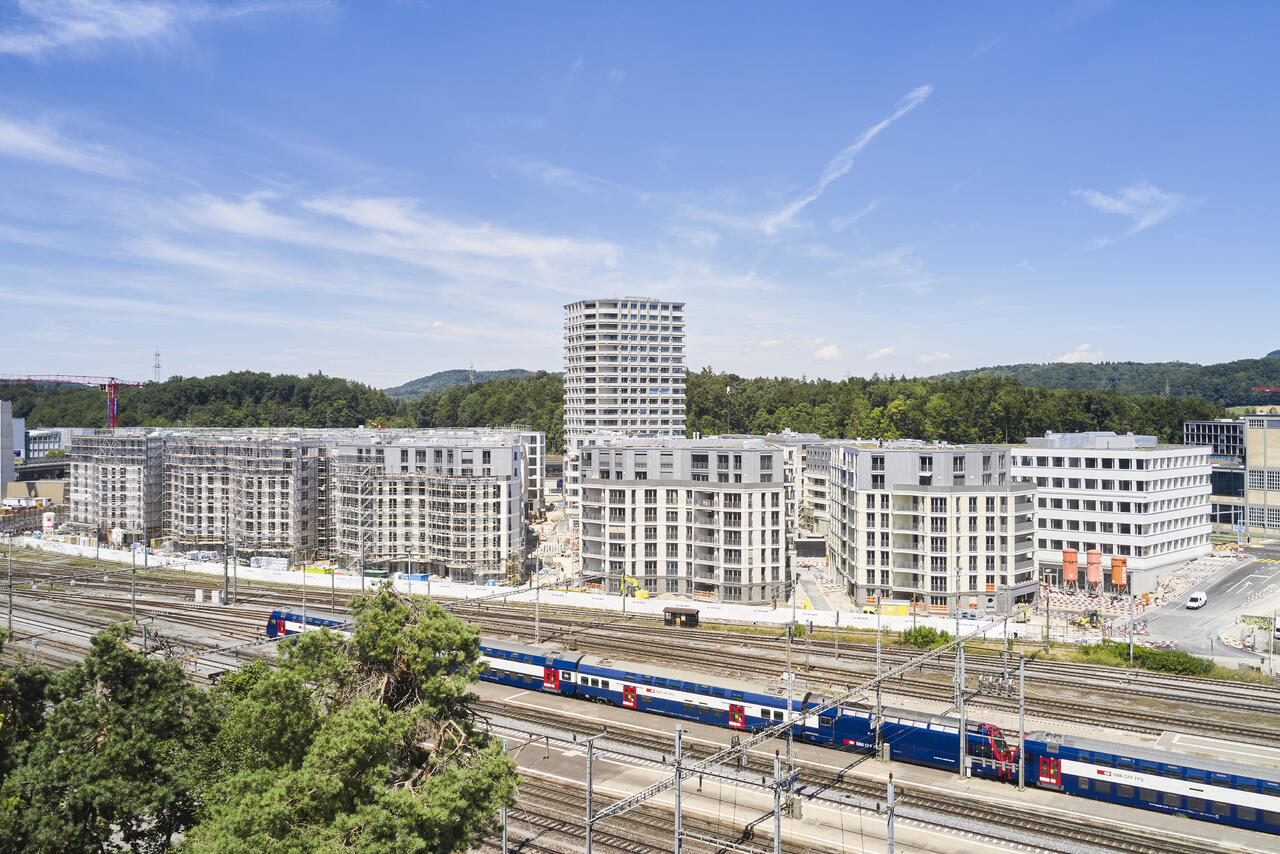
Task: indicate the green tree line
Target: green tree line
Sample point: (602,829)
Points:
(367,746)
(980,408)
(1226,383)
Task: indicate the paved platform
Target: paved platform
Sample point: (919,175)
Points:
(847,826)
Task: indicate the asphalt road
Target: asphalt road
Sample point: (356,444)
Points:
(1196,631)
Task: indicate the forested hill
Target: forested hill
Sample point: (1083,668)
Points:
(1227,383)
(982,408)
(444,379)
(241,399)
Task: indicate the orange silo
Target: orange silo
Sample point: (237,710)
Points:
(1093,567)
(1119,576)
(1070,566)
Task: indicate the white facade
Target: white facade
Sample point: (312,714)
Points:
(623,368)
(940,525)
(695,518)
(624,375)
(1125,496)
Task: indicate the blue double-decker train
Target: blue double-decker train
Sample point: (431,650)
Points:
(1212,790)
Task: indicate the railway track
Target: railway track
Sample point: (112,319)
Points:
(1056,692)
(993,821)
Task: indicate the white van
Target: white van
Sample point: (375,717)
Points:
(1197,600)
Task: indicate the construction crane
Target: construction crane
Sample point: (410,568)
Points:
(110,385)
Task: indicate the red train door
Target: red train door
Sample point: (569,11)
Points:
(737,717)
(280,628)
(551,679)
(629,696)
(1050,772)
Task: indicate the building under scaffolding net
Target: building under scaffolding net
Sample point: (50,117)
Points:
(264,492)
(449,505)
(452,502)
(117,479)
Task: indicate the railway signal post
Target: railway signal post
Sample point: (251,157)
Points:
(679,847)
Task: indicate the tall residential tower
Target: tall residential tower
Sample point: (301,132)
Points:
(623,375)
(623,368)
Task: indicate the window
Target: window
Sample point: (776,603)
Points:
(1123,791)
(1171,799)
(1246,813)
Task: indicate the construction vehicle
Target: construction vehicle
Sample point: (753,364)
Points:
(1088,620)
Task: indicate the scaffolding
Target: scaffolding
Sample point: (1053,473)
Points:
(117,484)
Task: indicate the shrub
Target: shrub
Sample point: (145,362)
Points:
(925,637)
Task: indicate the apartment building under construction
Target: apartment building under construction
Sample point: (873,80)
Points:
(117,484)
(452,505)
(451,502)
(264,492)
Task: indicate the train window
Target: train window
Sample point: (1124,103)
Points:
(1197,804)
(1104,761)
(1084,756)
(1246,785)
(1082,783)
(1175,773)
(777,714)
(1123,762)
(718,714)
(566,675)
(766,714)
(690,708)
(646,700)
(629,677)
(1123,791)
(690,687)
(1148,768)
(1246,813)
(1220,808)
(1171,799)
(1102,787)
(647,680)
(1148,795)
(719,692)
(604,683)
(659,681)
(735,695)
(1271,819)
(824,720)
(703,689)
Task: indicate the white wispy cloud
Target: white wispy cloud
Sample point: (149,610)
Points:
(44,144)
(1083,353)
(843,162)
(840,223)
(769,342)
(827,353)
(934,357)
(38,27)
(880,354)
(1143,203)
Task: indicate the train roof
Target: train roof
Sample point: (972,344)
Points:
(529,649)
(1157,754)
(668,672)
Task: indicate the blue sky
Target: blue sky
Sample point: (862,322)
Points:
(380,190)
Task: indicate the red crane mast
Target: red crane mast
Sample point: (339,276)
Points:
(111,385)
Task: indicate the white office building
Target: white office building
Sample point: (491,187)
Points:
(1125,496)
(942,526)
(701,518)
